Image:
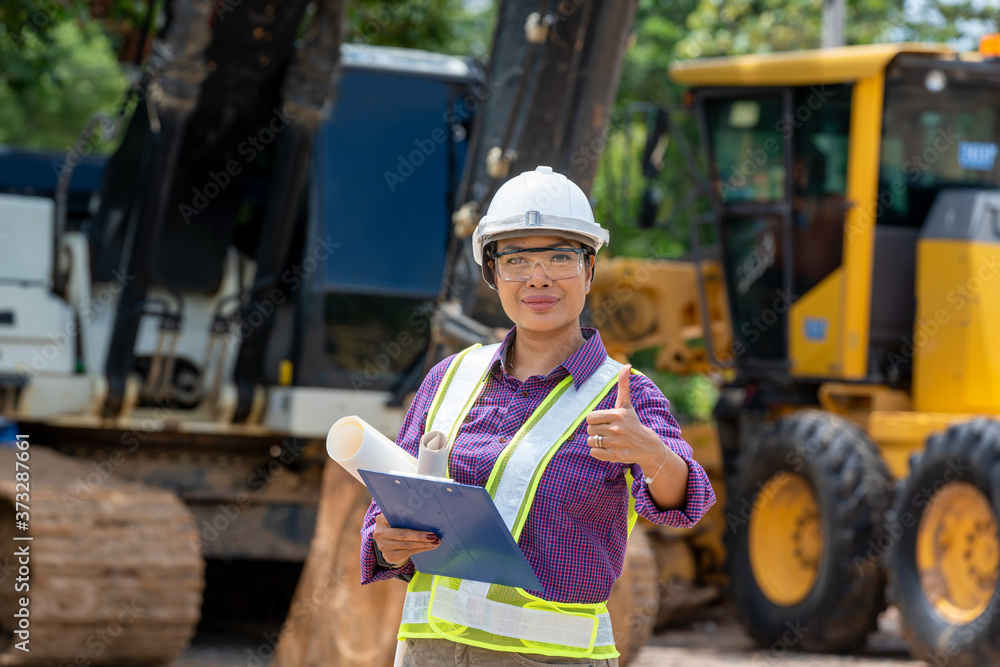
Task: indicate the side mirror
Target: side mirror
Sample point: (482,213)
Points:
(652,198)
(656,145)
(652,164)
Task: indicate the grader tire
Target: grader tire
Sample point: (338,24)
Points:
(114,570)
(808,505)
(944,559)
(333,620)
(634,602)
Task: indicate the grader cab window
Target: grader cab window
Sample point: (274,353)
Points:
(749,167)
(941,129)
(819,181)
(746,143)
(783,215)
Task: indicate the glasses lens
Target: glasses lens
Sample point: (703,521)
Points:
(557,264)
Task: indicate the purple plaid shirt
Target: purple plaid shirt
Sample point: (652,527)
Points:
(575,533)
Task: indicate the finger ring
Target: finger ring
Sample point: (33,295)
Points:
(600,441)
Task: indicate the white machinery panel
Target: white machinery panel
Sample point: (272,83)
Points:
(309,412)
(26,238)
(37,331)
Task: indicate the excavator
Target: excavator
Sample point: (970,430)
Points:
(277,241)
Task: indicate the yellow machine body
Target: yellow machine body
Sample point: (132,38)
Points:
(956,337)
(890,323)
(953,344)
(640,303)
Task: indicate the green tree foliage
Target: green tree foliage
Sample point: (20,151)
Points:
(444,26)
(55,81)
(668,31)
(731,27)
(59,59)
(50,50)
(58,66)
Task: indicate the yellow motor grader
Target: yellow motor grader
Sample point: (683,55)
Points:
(853,309)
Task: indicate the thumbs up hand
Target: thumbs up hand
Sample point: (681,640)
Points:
(624,399)
(618,435)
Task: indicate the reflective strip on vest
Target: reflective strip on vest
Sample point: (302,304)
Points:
(528,453)
(415,607)
(529,624)
(466,377)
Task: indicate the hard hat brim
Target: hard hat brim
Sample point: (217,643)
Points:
(548,225)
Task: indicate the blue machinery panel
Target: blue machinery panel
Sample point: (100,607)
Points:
(385,195)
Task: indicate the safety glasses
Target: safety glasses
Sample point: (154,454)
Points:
(557,263)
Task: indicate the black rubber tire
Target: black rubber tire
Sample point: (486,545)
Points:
(968,452)
(853,491)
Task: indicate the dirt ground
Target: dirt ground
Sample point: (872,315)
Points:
(722,642)
(713,642)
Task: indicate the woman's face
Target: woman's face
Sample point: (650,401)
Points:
(540,303)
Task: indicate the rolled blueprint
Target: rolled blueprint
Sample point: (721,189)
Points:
(354,443)
(432,459)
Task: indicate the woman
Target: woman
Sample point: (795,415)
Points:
(573,431)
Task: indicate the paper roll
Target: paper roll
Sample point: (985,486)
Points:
(432,459)
(354,443)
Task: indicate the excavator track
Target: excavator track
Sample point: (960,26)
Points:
(115,569)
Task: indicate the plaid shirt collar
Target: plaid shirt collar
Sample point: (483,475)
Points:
(581,364)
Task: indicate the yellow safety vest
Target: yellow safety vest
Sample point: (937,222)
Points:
(504,618)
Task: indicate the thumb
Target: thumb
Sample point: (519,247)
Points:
(624,377)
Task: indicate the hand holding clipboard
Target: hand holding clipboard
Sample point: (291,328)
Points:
(475,542)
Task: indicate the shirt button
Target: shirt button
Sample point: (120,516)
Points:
(502,439)
(524,394)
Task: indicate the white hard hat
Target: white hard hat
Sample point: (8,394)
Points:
(538,203)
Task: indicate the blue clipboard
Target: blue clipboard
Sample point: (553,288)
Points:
(475,542)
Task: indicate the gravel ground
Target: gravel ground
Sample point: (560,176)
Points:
(722,642)
(719,642)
